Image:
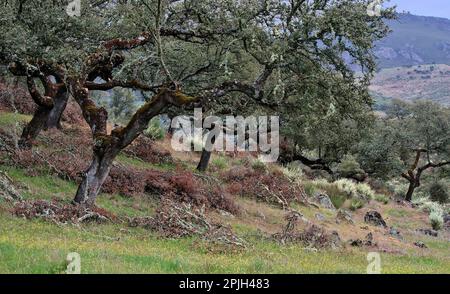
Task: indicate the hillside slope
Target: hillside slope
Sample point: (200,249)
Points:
(430,82)
(34,241)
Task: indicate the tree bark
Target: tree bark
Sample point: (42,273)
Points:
(206,152)
(34,127)
(94,177)
(204,160)
(45,103)
(60,103)
(108,146)
(411,188)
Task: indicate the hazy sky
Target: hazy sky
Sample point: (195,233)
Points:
(439,8)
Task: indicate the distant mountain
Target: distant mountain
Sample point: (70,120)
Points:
(415,40)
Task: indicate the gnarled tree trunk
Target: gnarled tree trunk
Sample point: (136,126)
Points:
(94,177)
(46,116)
(108,146)
(411,188)
(414,174)
(55,115)
(34,127)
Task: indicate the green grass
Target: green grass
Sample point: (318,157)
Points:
(220,162)
(382,198)
(49,187)
(40,247)
(42,186)
(37,246)
(398,212)
(8,119)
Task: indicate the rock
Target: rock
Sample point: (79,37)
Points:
(335,240)
(428,232)
(374,217)
(356,243)
(395,233)
(368,241)
(320,217)
(446,218)
(420,245)
(345,216)
(447,222)
(324,201)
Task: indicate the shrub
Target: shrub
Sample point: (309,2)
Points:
(397,188)
(220,163)
(347,186)
(15,98)
(439,192)
(437,221)
(356,204)
(271,186)
(429,206)
(338,200)
(310,188)
(146,150)
(259,166)
(382,198)
(294,173)
(365,191)
(154,130)
(350,168)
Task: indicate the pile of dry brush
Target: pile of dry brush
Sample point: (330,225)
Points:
(312,236)
(60,212)
(176,220)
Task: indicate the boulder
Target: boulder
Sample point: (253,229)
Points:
(324,201)
(428,232)
(320,217)
(395,233)
(344,216)
(374,218)
(335,240)
(447,222)
(420,245)
(368,241)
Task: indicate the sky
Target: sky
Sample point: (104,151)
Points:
(439,8)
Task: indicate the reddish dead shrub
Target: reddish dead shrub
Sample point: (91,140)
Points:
(268,186)
(73,115)
(179,186)
(148,151)
(14,98)
(65,153)
(125,181)
(68,153)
